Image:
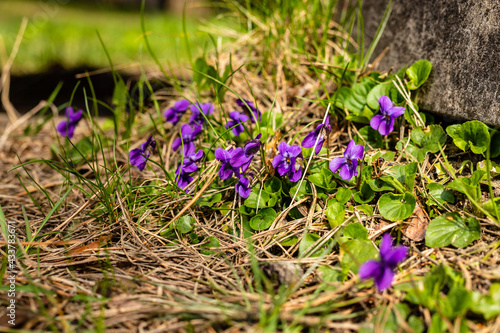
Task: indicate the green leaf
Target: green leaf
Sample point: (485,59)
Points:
(291,241)
(380,185)
(212,242)
(304,190)
(309,240)
(437,194)
(405,174)
(487,305)
(323,179)
(371,137)
(363,117)
(354,253)
(253,199)
(209,201)
(343,195)
(364,195)
(272,186)
(367,209)
(396,207)
(184,224)
(451,228)
(356,231)
(354,99)
(263,220)
(335,213)
(472,134)
(466,186)
(378,91)
(418,74)
(426,140)
(495,144)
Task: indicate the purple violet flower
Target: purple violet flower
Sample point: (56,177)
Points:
(321,131)
(236,122)
(243,187)
(253,146)
(67,127)
(382,271)
(186,168)
(188,135)
(231,162)
(384,123)
(249,107)
(197,109)
(349,162)
(286,160)
(139,156)
(174,114)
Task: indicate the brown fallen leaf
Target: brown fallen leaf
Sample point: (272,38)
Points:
(415,228)
(271,151)
(92,246)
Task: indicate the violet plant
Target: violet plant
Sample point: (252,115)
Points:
(198,111)
(186,139)
(319,134)
(138,157)
(382,270)
(186,168)
(67,127)
(248,106)
(236,122)
(285,162)
(384,123)
(349,162)
(174,114)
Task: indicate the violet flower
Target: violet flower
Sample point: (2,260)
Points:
(67,127)
(139,156)
(253,146)
(231,162)
(174,114)
(236,122)
(242,187)
(320,133)
(197,109)
(285,162)
(382,271)
(249,107)
(186,168)
(188,135)
(349,162)
(384,123)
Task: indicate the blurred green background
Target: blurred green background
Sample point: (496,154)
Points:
(63,33)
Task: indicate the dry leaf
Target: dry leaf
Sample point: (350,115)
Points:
(271,150)
(417,225)
(92,246)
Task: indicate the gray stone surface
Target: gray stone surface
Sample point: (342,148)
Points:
(462,40)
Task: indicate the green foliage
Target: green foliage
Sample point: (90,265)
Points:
(429,292)
(209,201)
(210,242)
(184,224)
(365,194)
(307,244)
(472,134)
(487,305)
(451,228)
(371,138)
(396,207)
(437,194)
(335,213)
(355,248)
(263,219)
(424,141)
(418,74)
(323,179)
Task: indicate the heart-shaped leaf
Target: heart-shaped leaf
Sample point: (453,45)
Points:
(418,73)
(396,207)
(451,228)
(472,134)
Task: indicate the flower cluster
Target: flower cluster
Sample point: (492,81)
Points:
(174,114)
(285,162)
(186,139)
(236,122)
(186,168)
(200,112)
(382,271)
(67,127)
(139,156)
